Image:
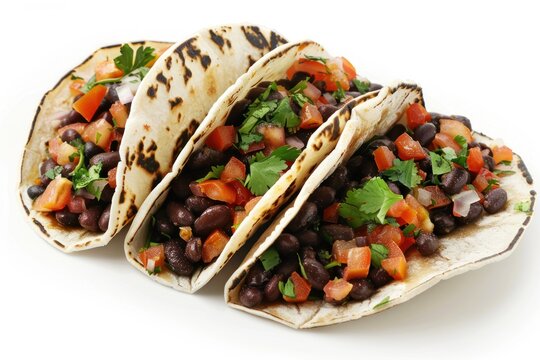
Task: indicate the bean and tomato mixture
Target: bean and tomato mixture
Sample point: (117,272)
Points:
(78,176)
(398,193)
(241,160)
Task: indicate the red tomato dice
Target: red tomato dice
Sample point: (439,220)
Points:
(243,195)
(153,257)
(100,132)
(443,140)
(502,153)
(111,178)
(88,104)
(408,148)
(438,197)
(453,128)
(221,138)
(384,158)
(340,250)
(358,262)
(273,136)
(310,117)
(234,170)
(218,190)
(214,245)
(56,196)
(301,289)
(475,161)
(120,114)
(481,181)
(396,267)
(107,70)
(330,214)
(417,115)
(337,289)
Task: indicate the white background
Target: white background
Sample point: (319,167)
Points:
(477,60)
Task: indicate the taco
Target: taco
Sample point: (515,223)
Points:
(258,144)
(92,155)
(389,213)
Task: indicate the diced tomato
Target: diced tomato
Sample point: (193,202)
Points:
(56,196)
(214,245)
(358,261)
(475,161)
(454,128)
(119,113)
(243,195)
(348,68)
(78,127)
(75,87)
(408,148)
(422,174)
(88,104)
(338,78)
(443,140)
(310,117)
(340,250)
(422,215)
(256,146)
(234,170)
(407,243)
(154,253)
(54,147)
(77,204)
(402,210)
(337,289)
(107,70)
(384,158)
(330,214)
(218,190)
(251,204)
(389,236)
(301,289)
(273,136)
(396,267)
(238,217)
(316,69)
(111,178)
(99,132)
(312,92)
(221,138)
(417,115)
(481,181)
(65,152)
(438,197)
(502,153)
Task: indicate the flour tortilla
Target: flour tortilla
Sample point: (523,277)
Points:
(171,101)
(491,239)
(271,67)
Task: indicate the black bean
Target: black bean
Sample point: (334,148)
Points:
(374,86)
(308,238)
(89,218)
(454,181)
(257,276)
(474,213)
(295,107)
(71,118)
(425,133)
(288,265)
(271,289)
(323,196)
(362,289)
(306,216)
(286,83)
(197,204)
(215,217)
(304,135)
(351,185)
(368,170)
(179,215)
(91,150)
(338,232)
(425,165)
(68,169)
(106,194)
(180,187)
(427,243)
(394,188)
(361,241)
(66,218)
(486,149)
(193,249)
(299,76)
(327,110)
(177,261)
(275,95)
(112,95)
(308,253)
(495,200)
(103,222)
(236,115)
(353,94)
(255,92)
(108,160)
(250,296)
(395,131)
(374,144)
(436,119)
(165,226)
(462,119)
(379,277)
(489,163)
(317,275)
(47,165)
(444,223)
(69,135)
(34,191)
(287,244)
(205,158)
(338,179)
(354,164)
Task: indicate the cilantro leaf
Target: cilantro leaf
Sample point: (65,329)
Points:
(54,172)
(505,162)
(332,264)
(301,99)
(286,152)
(378,253)
(127,64)
(270,259)
(361,86)
(460,140)
(75,77)
(299,87)
(503,172)
(83,176)
(214,173)
(248,139)
(287,288)
(405,172)
(409,230)
(324,255)
(491,183)
(297,93)
(316,58)
(256,113)
(302,270)
(284,116)
(383,302)
(263,173)
(339,94)
(524,206)
(439,164)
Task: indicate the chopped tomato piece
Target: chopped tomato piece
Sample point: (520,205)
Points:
(75,87)
(475,161)
(330,214)
(407,243)
(99,132)
(56,196)
(443,140)
(384,158)
(153,257)
(243,195)
(66,154)
(312,92)
(251,204)
(348,68)
(119,113)
(238,217)
(218,190)
(402,210)
(316,69)
(358,261)
(54,147)
(337,289)
(111,178)
(301,289)
(214,245)
(273,136)
(408,148)
(234,170)
(340,250)
(88,104)
(310,117)
(422,174)
(338,78)
(417,115)
(221,138)
(107,70)
(396,267)
(78,127)
(389,236)
(77,204)
(423,221)
(502,153)
(482,180)
(438,197)
(454,128)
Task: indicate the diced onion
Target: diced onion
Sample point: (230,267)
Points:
(85,194)
(125,95)
(331,100)
(151,265)
(463,201)
(133,82)
(295,142)
(424,197)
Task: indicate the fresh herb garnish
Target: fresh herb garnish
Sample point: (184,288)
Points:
(286,153)
(316,58)
(503,172)
(98,136)
(54,172)
(378,253)
(324,255)
(297,93)
(270,259)
(302,270)
(214,173)
(409,230)
(248,139)
(439,164)
(127,64)
(339,94)
(491,183)
(405,172)
(284,116)
(75,77)
(383,302)
(287,288)
(361,86)
(332,264)
(505,162)
(524,206)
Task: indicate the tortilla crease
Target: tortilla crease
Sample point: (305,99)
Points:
(173,98)
(491,239)
(271,67)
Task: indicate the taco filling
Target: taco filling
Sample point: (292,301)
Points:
(78,172)
(240,161)
(392,200)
